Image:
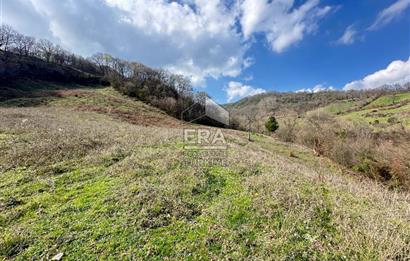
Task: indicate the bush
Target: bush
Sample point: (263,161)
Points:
(272,124)
(286,131)
(383,156)
(342,154)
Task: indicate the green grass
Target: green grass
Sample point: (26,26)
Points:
(93,186)
(386,111)
(388,100)
(340,107)
(78,215)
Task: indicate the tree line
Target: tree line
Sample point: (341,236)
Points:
(161,88)
(16,43)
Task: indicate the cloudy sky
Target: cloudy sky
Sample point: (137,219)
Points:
(235,48)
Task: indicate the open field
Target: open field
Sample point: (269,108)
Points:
(92,174)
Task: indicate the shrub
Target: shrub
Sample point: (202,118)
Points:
(383,156)
(272,124)
(342,154)
(286,131)
(169,105)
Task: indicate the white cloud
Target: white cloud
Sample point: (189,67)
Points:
(317,88)
(237,90)
(349,36)
(398,72)
(390,13)
(281,21)
(198,38)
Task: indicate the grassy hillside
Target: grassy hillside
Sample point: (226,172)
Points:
(282,103)
(92,174)
(371,107)
(385,111)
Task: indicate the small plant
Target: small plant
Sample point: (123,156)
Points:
(392,120)
(292,154)
(271,124)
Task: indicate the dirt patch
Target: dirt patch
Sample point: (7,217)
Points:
(139,114)
(70,93)
(138,118)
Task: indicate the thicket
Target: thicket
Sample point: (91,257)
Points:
(383,155)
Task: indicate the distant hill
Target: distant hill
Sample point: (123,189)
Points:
(282,105)
(365,131)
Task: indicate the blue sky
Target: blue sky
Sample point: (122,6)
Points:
(232,49)
(318,59)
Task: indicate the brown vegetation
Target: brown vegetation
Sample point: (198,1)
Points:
(383,156)
(377,152)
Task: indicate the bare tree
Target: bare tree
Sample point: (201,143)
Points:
(105,62)
(23,45)
(108,60)
(183,85)
(7,37)
(120,66)
(60,55)
(250,116)
(28,45)
(47,49)
(18,47)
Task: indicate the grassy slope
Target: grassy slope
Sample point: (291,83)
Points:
(82,175)
(393,107)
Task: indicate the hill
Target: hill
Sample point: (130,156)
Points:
(366,131)
(14,66)
(386,111)
(90,173)
(26,58)
(284,105)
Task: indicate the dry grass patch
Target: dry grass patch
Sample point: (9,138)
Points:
(95,186)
